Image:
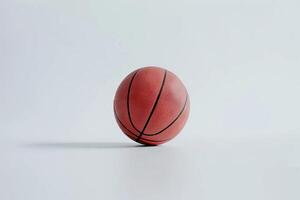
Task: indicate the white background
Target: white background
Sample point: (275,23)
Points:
(61,62)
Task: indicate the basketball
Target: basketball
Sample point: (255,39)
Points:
(151,105)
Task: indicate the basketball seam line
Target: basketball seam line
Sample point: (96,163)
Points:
(154,106)
(117,117)
(183,108)
(128,106)
(135,134)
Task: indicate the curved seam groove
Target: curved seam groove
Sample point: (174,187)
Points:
(154,106)
(183,108)
(134,133)
(128,106)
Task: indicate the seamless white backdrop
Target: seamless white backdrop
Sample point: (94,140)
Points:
(61,62)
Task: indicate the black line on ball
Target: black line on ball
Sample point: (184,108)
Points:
(128,106)
(134,133)
(148,134)
(154,106)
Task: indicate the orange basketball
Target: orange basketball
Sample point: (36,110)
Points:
(151,105)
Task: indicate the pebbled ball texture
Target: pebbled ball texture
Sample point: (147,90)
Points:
(151,105)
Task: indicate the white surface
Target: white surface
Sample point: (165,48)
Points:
(206,169)
(61,61)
